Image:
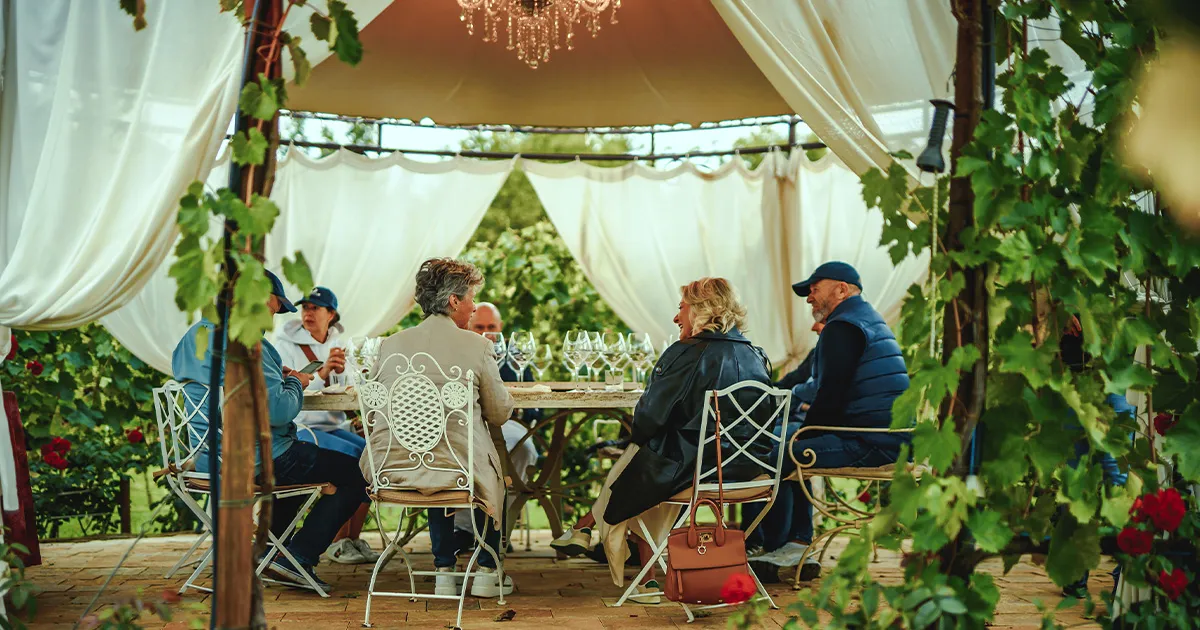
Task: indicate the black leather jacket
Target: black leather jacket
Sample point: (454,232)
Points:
(666,421)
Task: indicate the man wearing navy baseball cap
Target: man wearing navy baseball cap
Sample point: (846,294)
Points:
(285,397)
(858,371)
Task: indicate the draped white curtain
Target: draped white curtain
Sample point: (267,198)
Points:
(640,234)
(364,225)
(101,130)
(858,73)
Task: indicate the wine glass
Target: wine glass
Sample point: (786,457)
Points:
(369,352)
(595,354)
(641,352)
(521,347)
(613,352)
(576,348)
(498,347)
(542,360)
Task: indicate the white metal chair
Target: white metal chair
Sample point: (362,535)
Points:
(183,429)
(760,406)
(414,411)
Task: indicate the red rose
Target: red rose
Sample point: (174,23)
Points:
(738,588)
(60,445)
(1164,508)
(1136,511)
(135,436)
(1163,422)
(865,497)
(55,460)
(12,348)
(1173,583)
(1135,542)
(35,367)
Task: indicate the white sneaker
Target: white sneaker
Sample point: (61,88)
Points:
(371,555)
(345,551)
(648,593)
(484,584)
(573,542)
(445,584)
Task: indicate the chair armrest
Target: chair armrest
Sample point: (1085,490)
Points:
(813,456)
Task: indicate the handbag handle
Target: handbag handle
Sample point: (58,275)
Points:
(718,507)
(693,537)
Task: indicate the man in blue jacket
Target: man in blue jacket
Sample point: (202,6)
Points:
(295,462)
(858,371)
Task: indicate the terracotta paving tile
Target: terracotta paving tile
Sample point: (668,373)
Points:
(550,594)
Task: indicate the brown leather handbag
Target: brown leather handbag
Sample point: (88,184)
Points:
(701,559)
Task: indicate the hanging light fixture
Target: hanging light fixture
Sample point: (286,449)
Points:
(535,27)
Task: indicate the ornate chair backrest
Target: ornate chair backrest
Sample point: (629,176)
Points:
(183,426)
(417,404)
(745,403)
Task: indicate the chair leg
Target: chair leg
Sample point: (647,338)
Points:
(480,545)
(659,549)
(191,581)
(183,560)
(462,594)
(277,545)
(762,589)
(384,557)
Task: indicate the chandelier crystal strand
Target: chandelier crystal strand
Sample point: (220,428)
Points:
(535,27)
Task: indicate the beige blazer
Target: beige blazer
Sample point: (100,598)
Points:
(450,346)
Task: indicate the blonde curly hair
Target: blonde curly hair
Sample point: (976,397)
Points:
(715,305)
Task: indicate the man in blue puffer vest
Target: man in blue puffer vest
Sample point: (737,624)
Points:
(858,372)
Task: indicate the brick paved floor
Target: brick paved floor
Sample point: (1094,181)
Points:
(574,594)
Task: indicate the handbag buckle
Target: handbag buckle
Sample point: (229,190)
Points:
(701,549)
(706,537)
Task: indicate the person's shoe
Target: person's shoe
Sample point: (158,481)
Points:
(345,551)
(484,583)
(755,552)
(370,554)
(283,570)
(648,593)
(573,542)
(1076,591)
(780,565)
(445,584)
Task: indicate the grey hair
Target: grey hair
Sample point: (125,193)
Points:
(439,278)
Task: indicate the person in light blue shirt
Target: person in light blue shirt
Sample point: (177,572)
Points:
(296,462)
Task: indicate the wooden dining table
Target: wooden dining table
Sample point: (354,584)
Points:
(569,408)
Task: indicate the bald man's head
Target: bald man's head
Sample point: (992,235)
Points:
(486,319)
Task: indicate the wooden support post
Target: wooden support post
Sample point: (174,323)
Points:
(123,507)
(245,391)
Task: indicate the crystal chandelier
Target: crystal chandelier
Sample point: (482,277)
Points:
(536,26)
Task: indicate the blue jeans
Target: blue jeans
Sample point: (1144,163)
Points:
(305,463)
(441,538)
(339,440)
(790,518)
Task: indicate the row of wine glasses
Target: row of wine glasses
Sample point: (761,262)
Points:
(522,350)
(608,350)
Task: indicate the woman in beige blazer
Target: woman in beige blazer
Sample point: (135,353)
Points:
(446,293)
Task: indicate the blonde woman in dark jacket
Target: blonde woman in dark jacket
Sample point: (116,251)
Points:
(712,353)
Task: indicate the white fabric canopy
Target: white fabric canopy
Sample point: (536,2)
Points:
(101,130)
(363,224)
(858,73)
(640,234)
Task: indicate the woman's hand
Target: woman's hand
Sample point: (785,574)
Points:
(304,379)
(335,363)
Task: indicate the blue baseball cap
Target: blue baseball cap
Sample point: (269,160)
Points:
(285,305)
(834,270)
(321,296)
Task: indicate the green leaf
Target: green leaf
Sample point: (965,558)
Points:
(298,273)
(202,334)
(249,150)
(301,67)
(1074,548)
(1018,356)
(345,40)
(938,446)
(250,316)
(1183,441)
(321,26)
(990,531)
(952,606)
(1115,508)
(260,99)
(927,615)
(193,217)
(232,5)
(258,218)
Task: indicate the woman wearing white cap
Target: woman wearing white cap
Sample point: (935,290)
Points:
(316,336)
